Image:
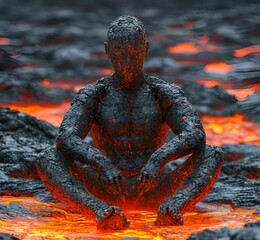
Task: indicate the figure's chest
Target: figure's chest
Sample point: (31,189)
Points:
(129,113)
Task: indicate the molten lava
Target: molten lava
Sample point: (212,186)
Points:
(247,50)
(192,48)
(47,112)
(58,222)
(218,67)
(62,84)
(184,48)
(4,41)
(230,130)
(240,93)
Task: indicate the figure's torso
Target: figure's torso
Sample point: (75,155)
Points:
(129,126)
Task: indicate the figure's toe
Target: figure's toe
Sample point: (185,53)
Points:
(169,217)
(113,220)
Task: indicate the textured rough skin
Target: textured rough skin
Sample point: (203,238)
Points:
(129,115)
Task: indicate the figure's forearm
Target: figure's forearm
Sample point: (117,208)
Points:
(74,148)
(180,146)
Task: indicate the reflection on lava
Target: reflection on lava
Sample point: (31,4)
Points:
(58,222)
(240,93)
(247,50)
(218,67)
(230,130)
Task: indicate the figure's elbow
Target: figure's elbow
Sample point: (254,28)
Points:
(198,138)
(63,140)
(60,142)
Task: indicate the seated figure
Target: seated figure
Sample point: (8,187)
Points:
(128,115)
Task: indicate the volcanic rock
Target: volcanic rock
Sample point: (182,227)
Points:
(24,92)
(22,138)
(250,231)
(214,100)
(5,236)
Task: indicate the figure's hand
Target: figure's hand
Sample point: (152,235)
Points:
(148,177)
(113,177)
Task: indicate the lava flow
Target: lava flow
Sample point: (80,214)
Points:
(193,48)
(57,222)
(240,93)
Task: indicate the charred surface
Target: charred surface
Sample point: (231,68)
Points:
(250,231)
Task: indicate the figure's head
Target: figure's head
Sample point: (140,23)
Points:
(126,46)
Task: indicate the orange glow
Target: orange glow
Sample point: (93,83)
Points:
(29,64)
(220,130)
(192,48)
(243,93)
(107,71)
(247,50)
(239,93)
(4,41)
(230,130)
(205,45)
(184,48)
(60,223)
(61,84)
(218,67)
(50,113)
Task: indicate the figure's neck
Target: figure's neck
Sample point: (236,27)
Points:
(130,81)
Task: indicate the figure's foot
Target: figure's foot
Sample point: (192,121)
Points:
(168,217)
(113,220)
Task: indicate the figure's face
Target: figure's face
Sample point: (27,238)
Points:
(127,58)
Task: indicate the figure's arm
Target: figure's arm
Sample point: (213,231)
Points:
(76,125)
(184,122)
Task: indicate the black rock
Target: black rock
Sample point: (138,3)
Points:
(214,100)
(250,231)
(242,160)
(22,138)
(238,191)
(20,90)
(5,236)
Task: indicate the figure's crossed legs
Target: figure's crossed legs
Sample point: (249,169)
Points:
(180,189)
(65,187)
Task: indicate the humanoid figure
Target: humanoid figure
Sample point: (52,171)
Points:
(128,115)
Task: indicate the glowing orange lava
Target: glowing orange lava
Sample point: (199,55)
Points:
(62,84)
(230,130)
(240,93)
(50,113)
(4,41)
(192,48)
(247,50)
(218,67)
(59,223)
(184,48)
(107,71)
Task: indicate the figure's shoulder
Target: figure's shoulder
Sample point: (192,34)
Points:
(163,88)
(95,89)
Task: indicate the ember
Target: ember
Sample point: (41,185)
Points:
(213,54)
